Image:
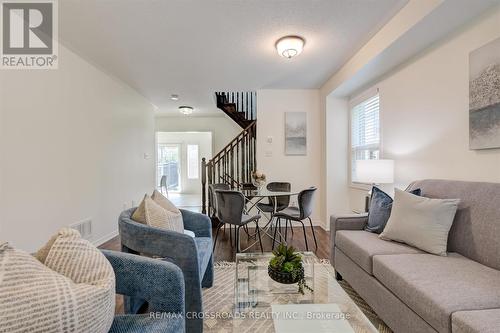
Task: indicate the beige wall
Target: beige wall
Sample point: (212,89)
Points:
(72,142)
(424,114)
(301,171)
(337,154)
(223,128)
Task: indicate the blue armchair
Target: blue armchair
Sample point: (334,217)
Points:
(138,277)
(192,255)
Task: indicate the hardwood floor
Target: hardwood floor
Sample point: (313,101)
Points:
(225,251)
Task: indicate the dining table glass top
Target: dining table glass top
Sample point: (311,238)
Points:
(264,192)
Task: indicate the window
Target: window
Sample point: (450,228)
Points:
(365,132)
(193,161)
(168,165)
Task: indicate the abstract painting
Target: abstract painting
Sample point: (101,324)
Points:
(295,133)
(484,96)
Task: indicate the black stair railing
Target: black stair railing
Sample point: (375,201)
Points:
(241,106)
(233,165)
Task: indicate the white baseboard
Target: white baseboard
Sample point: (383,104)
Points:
(319,223)
(105,238)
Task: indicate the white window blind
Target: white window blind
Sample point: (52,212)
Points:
(193,161)
(365,132)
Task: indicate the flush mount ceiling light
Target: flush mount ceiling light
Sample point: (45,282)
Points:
(290,46)
(174,97)
(186,109)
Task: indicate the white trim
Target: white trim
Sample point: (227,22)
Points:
(105,238)
(319,223)
(355,100)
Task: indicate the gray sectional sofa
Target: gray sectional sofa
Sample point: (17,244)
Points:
(413,291)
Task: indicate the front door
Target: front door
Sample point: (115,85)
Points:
(169,165)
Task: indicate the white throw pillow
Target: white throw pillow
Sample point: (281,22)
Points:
(71,290)
(159,212)
(174,215)
(421,222)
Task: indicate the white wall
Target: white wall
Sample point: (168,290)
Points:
(424,113)
(337,155)
(301,171)
(223,129)
(183,139)
(72,144)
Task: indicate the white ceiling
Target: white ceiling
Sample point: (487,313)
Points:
(445,20)
(193,48)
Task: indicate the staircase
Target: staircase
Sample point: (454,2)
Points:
(239,106)
(233,165)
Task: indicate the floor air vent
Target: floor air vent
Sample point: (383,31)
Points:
(84,228)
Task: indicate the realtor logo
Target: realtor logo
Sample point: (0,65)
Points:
(28,31)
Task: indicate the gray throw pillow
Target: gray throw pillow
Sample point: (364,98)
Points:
(421,222)
(380,209)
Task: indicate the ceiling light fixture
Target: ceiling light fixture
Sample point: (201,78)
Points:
(290,46)
(174,97)
(186,109)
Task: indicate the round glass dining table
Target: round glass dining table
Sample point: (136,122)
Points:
(255,196)
(265,193)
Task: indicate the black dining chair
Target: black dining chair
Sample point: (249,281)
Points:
(211,196)
(213,207)
(230,210)
(281,202)
(298,214)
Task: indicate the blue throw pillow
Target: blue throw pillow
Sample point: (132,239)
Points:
(380,209)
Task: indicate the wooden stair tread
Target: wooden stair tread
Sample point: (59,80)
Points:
(231,107)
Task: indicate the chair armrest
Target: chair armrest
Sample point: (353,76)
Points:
(344,222)
(158,282)
(172,246)
(198,223)
(348,222)
(150,240)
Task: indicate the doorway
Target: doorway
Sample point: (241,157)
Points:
(179,157)
(169,165)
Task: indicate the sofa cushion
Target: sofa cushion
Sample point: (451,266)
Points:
(380,209)
(361,246)
(421,222)
(476,229)
(477,321)
(435,286)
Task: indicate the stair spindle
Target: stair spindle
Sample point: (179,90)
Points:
(234,164)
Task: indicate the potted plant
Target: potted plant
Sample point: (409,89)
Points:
(286,267)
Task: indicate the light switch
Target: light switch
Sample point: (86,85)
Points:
(268,153)
(269,139)
(147,156)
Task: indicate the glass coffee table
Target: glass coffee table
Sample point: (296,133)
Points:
(269,306)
